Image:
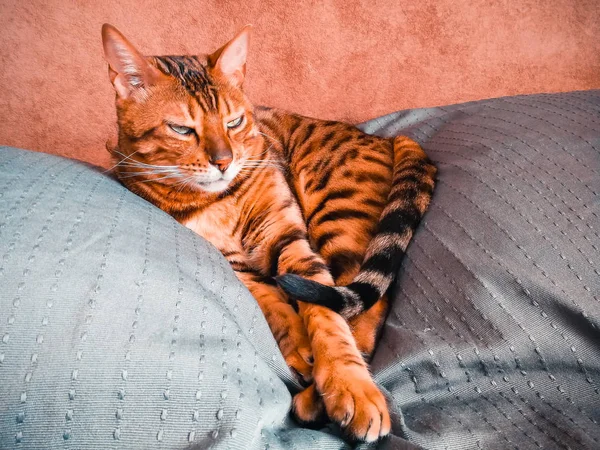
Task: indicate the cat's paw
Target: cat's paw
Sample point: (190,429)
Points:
(300,365)
(308,407)
(297,351)
(358,406)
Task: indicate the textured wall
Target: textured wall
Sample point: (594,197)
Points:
(336,59)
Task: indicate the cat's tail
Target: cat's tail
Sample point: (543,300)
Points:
(412,188)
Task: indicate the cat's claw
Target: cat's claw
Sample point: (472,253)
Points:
(359,408)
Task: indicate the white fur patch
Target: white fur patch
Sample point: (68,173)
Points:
(215,181)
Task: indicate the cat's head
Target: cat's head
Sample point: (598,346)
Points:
(184,121)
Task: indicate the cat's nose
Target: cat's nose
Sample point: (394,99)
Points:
(222,163)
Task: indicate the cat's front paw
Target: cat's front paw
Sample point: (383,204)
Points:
(300,366)
(308,407)
(358,406)
(296,349)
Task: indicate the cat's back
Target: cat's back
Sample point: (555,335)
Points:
(296,131)
(341,178)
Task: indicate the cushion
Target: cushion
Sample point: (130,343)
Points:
(119,328)
(493,340)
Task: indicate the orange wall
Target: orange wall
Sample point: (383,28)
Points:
(335,59)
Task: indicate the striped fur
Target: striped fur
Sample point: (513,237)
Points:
(282,197)
(412,187)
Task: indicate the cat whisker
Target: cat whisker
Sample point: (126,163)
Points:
(153,180)
(272,139)
(265,151)
(161,175)
(185,179)
(147,173)
(248,166)
(261,165)
(167,177)
(138,164)
(125,157)
(252,169)
(261,161)
(133,174)
(147,166)
(185,183)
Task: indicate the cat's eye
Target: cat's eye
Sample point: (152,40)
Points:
(236,122)
(180,129)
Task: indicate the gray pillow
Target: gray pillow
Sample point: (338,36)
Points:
(493,340)
(121,329)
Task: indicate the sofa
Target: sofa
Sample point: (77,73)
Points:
(122,329)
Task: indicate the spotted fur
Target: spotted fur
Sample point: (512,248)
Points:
(317,205)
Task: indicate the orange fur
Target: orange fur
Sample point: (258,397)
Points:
(297,195)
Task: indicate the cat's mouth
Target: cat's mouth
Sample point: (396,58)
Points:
(218,181)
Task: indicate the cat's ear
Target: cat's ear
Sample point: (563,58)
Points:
(230,60)
(128,69)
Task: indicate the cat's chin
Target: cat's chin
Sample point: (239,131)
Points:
(213,186)
(221,183)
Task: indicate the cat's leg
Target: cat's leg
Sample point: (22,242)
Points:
(341,375)
(341,351)
(278,245)
(285,324)
(351,397)
(367,325)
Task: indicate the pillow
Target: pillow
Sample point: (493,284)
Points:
(493,339)
(121,328)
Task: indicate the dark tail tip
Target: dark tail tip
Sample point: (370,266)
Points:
(309,291)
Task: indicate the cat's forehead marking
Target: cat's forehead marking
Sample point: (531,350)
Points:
(193,76)
(188,113)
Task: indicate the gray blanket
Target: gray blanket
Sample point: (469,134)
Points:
(121,329)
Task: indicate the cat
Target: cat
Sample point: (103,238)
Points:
(313,208)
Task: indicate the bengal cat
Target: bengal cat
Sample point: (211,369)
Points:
(304,202)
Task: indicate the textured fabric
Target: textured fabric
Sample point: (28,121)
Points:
(493,338)
(121,329)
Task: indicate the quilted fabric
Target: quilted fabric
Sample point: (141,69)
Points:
(120,329)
